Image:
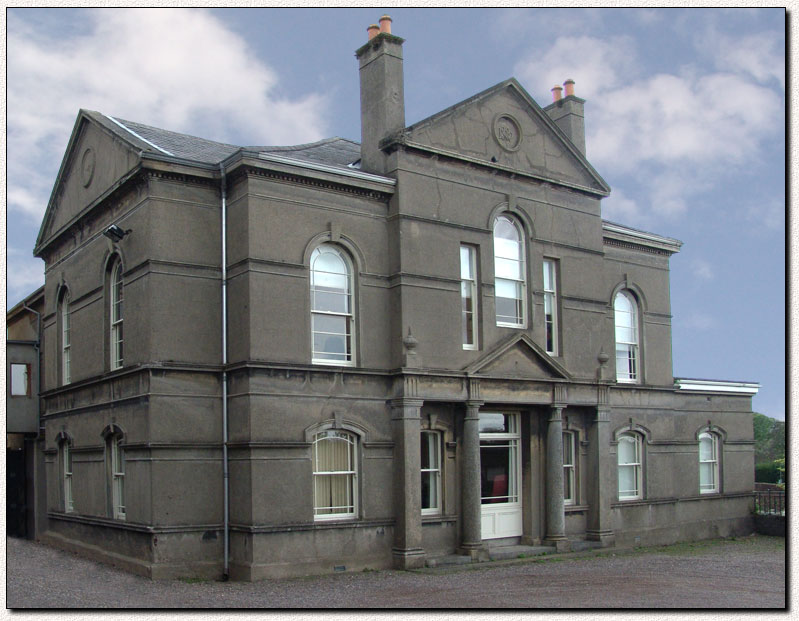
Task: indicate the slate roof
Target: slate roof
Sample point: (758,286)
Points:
(337,152)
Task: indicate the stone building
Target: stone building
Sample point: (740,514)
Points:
(268,361)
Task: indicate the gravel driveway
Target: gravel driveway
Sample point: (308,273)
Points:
(741,573)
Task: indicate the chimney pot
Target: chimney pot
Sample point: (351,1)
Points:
(556,92)
(385,24)
(373,30)
(569,84)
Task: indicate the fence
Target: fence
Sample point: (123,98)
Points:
(771,502)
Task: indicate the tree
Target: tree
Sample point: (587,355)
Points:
(769,438)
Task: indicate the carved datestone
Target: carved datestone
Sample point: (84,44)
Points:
(507,132)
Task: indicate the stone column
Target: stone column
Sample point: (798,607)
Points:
(556,521)
(406,427)
(602,485)
(471,533)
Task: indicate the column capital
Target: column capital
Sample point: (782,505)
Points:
(602,414)
(556,411)
(405,402)
(473,408)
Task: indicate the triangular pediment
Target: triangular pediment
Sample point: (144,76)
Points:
(518,357)
(98,155)
(504,127)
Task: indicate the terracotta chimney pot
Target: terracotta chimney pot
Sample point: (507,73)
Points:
(385,24)
(373,30)
(569,84)
(556,92)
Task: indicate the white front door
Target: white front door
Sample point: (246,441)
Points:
(500,475)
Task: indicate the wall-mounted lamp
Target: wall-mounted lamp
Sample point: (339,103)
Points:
(115,233)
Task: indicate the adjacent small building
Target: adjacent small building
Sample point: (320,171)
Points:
(271,361)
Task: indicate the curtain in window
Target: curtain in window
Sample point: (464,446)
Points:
(333,466)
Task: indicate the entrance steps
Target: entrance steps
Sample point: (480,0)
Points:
(495,553)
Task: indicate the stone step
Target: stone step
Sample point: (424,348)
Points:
(449,559)
(579,545)
(502,553)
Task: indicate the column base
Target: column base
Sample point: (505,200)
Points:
(476,551)
(560,542)
(606,537)
(410,558)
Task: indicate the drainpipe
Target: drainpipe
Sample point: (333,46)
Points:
(225,473)
(38,358)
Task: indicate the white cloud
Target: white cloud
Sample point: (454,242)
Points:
(759,55)
(702,269)
(619,208)
(180,69)
(678,132)
(24,274)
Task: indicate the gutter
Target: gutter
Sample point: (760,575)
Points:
(225,471)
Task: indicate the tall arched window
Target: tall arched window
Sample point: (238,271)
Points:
(66,473)
(116,318)
(625,310)
(510,280)
(66,355)
(115,463)
(334,474)
(630,466)
(708,463)
(332,311)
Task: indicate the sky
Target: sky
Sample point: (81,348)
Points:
(684,116)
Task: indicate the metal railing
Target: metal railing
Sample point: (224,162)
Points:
(770,502)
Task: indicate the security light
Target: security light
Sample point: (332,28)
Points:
(115,233)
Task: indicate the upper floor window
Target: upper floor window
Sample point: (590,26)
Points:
(551,306)
(334,474)
(625,310)
(468,297)
(708,463)
(431,472)
(569,467)
(66,360)
(116,316)
(510,282)
(332,313)
(630,466)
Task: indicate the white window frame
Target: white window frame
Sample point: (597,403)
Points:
(636,465)
(14,379)
(117,472)
(551,300)
(116,316)
(713,486)
(433,472)
(66,355)
(66,464)
(469,292)
(350,510)
(349,354)
(570,468)
(520,283)
(627,350)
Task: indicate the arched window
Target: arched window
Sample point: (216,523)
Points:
(630,466)
(66,473)
(116,318)
(332,312)
(625,311)
(66,356)
(334,474)
(115,469)
(708,463)
(510,280)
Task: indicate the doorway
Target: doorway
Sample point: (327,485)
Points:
(500,475)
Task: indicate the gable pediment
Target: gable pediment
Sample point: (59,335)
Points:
(95,160)
(505,128)
(518,357)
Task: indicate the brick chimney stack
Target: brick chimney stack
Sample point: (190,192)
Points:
(382,93)
(568,114)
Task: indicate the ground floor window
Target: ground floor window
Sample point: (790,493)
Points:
(117,462)
(431,472)
(569,474)
(629,462)
(334,474)
(708,464)
(66,456)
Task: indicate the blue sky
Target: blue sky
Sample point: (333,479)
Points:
(685,119)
